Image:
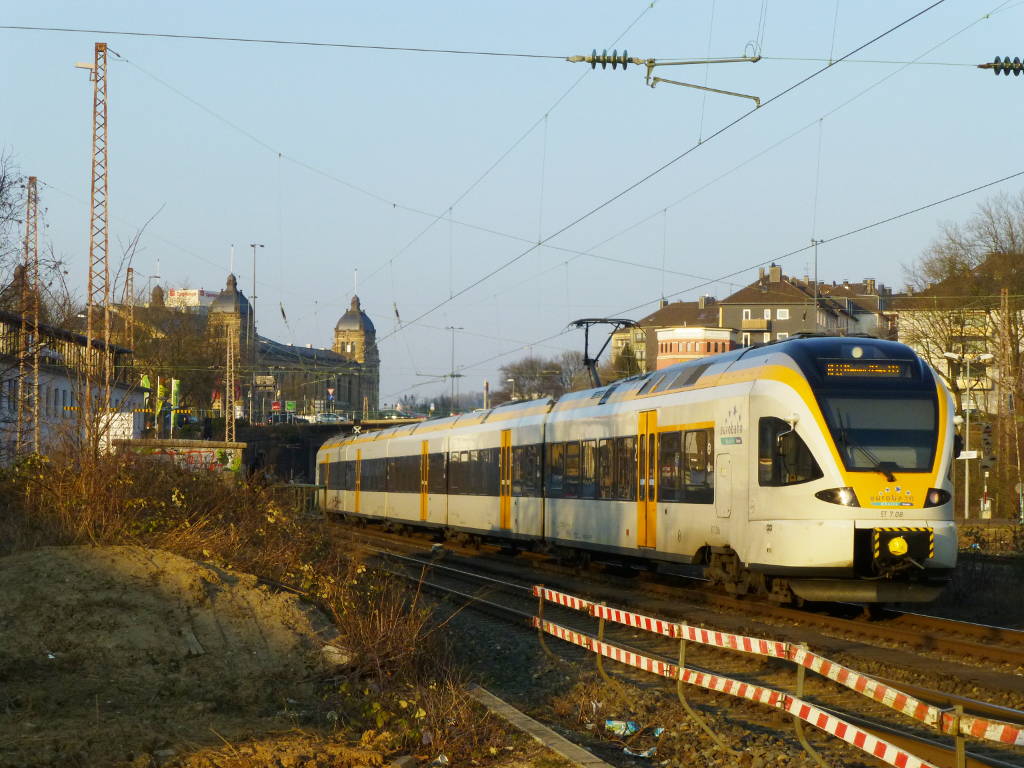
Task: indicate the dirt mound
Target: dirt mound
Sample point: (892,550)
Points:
(113,654)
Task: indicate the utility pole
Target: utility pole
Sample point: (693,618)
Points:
(453,375)
(231,332)
(29,341)
(98,292)
(252,334)
(129,301)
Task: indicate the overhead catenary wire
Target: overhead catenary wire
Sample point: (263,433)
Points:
(764,262)
(660,169)
(757,155)
(543,119)
(278,41)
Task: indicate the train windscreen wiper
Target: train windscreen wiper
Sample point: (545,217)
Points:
(884,467)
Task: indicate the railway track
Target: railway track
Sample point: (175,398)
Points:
(930,635)
(502,587)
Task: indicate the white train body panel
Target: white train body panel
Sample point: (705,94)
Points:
(809,459)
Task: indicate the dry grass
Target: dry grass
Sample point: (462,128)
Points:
(402,692)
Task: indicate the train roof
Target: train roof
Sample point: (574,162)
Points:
(802,349)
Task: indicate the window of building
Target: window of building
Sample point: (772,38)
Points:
(746,339)
(782,335)
(782,314)
(746,314)
(766,337)
(767,314)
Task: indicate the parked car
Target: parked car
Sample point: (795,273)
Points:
(328,418)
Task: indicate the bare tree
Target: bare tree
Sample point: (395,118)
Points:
(969,286)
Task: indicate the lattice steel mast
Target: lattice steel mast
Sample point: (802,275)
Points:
(99,241)
(231,333)
(29,340)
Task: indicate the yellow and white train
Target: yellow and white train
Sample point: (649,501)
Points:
(818,467)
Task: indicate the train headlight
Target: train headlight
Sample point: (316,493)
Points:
(898,546)
(936,497)
(844,496)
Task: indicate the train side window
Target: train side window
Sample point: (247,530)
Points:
(670,471)
(606,469)
(525,470)
(436,480)
(699,466)
(588,470)
(454,472)
(556,462)
(625,468)
(783,458)
(490,475)
(518,469)
(571,478)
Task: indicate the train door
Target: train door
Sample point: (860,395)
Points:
(358,478)
(424,478)
(723,485)
(505,480)
(647,480)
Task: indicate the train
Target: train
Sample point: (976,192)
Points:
(808,469)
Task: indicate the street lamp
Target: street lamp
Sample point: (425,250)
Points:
(252,331)
(513,383)
(967,360)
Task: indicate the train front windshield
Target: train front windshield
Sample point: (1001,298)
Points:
(884,431)
(878,398)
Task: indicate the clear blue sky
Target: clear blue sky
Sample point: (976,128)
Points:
(375,145)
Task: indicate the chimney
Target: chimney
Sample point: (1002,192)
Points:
(775,274)
(760,273)
(663,303)
(869,285)
(705,301)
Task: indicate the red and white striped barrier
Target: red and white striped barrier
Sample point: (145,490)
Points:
(562,633)
(561,598)
(990,730)
(647,664)
(742,643)
(851,734)
(810,714)
(929,714)
(657,626)
(727,685)
(868,686)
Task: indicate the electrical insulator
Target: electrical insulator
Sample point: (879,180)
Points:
(1006,66)
(604,59)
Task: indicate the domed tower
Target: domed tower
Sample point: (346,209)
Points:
(231,308)
(356,338)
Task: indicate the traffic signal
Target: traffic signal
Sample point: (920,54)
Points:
(1006,66)
(986,438)
(604,59)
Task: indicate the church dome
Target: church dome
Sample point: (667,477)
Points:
(355,319)
(230,300)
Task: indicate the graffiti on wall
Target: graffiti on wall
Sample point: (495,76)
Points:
(193,457)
